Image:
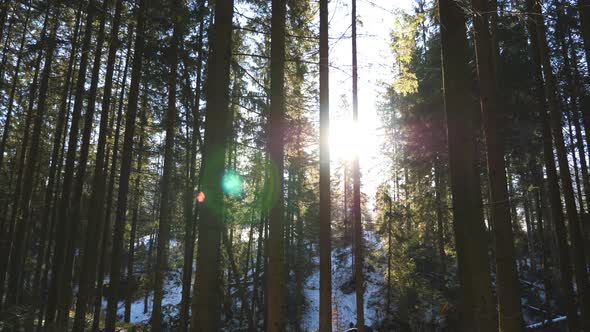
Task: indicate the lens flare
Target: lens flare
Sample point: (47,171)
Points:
(232,183)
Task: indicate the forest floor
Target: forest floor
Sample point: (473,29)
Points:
(344,295)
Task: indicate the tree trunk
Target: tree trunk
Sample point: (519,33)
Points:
(126,155)
(507,284)
(554,196)
(206,298)
(96,209)
(7,240)
(276,281)
(17,259)
(53,176)
(76,198)
(106,229)
(325,215)
(135,215)
(60,273)
(190,235)
(477,308)
(167,200)
(572,217)
(356,193)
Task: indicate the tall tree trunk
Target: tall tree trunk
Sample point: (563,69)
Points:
(556,208)
(8,237)
(507,284)
(17,259)
(580,145)
(167,200)
(60,273)
(53,176)
(571,74)
(276,281)
(106,227)
(135,214)
(190,222)
(572,217)
(126,155)
(356,192)
(206,297)
(477,309)
(325,215)
(96,209)
(78,189)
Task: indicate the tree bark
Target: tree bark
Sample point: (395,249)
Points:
(8,237)
(60,273)
(276,281)
(17,259)
(356,192)
(325,215)
(126,155)
(78,188)
(106,227)
(167,200)
(191,217)
(477,308)
(135,214)
(572,217)
(206,297)
(96,209)
(507,284)
(554,196)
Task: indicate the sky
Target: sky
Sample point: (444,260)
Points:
(375,59)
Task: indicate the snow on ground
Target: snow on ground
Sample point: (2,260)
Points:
(343,304)
(172,295)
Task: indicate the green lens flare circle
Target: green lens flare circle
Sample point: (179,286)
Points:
(232,184)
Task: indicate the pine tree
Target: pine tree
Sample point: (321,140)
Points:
(325,214)
(126,155)
(508,292)
(166,182)
(474,274)
(356,179)
(277,280)
(206,298)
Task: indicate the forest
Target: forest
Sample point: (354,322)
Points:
(294,165)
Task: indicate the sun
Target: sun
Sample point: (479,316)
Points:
(345,140)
